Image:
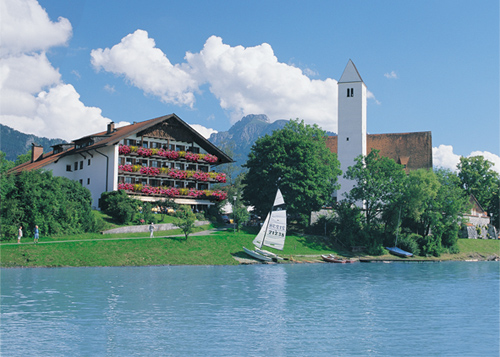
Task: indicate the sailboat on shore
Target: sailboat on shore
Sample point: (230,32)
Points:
(395,250)
(272,233)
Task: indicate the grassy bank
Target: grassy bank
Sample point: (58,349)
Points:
(218,248)
(137,249)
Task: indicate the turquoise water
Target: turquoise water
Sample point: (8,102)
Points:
(432,309)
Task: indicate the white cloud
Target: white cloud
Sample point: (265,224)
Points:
(26,28)
(203,131)
(147,68)
(443,157)
(109,88)
(494,159)
(244,80)
(370,95)
(392,75)
(33,97)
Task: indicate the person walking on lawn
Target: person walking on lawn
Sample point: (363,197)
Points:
(36,234)
(151,229)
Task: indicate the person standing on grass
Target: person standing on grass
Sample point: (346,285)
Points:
(151,229)
(36,234)
(20,234)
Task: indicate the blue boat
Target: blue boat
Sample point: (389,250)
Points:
(399,252)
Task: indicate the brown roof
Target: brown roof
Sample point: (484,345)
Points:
(411,149)
(104,138)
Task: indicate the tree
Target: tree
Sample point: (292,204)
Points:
(477,178)
(296,160)
(379,183)
(418,201)
(56,204)
(119,206)
(184,219)
(451,204)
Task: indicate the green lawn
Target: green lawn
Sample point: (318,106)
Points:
(218,248)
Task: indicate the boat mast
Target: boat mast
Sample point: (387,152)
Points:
(397,228)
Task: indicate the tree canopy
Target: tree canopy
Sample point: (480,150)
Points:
(296,160)
(379,183)
(479,179)
(56,204)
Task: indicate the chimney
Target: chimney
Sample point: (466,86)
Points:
(36,152)
(111,127)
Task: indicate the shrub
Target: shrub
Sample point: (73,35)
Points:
(409,243)
(119,206)
(430,245)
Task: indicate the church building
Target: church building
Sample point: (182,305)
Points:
(412,150)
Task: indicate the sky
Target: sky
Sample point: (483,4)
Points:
(67,68)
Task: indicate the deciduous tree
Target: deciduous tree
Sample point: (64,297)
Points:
(296,160)
(184,219)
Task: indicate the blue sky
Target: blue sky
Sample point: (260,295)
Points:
(68,67)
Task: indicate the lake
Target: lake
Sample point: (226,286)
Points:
(397,309)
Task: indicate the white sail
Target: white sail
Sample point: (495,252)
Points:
(273,231)
(260,237)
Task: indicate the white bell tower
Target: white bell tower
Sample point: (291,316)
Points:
(351,123)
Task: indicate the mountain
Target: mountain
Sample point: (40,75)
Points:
(242,135)
(14,143)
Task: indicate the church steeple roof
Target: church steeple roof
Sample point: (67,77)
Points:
(350,74)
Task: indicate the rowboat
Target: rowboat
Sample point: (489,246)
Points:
(333,259)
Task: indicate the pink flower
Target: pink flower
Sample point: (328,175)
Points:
(123,149)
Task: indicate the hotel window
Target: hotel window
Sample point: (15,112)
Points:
(76,165)
(88,181)
(195,150)
(68,167)
(179,184)
(172,147)
(128,179)
(203,168)
(81,165)
(154,164)
(191,167)
(202,186)
(180,148)
(179,166)
(350,92)
(81,182)
(89,162)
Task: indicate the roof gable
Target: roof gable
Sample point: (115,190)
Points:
(350,74)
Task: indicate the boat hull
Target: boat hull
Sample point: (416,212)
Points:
(399,252)
(256,255)
(332,259)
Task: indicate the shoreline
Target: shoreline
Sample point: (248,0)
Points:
(207,247)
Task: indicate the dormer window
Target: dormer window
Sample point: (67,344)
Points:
(350,92)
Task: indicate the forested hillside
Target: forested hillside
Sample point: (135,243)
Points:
(14,143)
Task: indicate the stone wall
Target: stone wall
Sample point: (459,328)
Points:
(145,228)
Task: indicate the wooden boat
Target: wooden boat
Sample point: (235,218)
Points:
(333,259)
(272,233)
